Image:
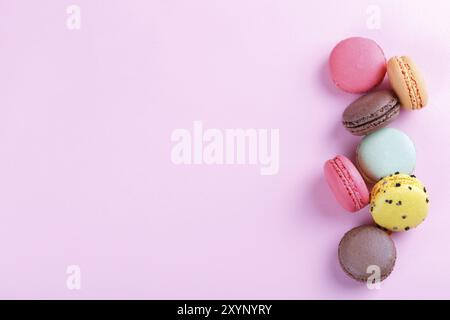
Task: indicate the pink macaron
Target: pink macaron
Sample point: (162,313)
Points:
(357,65)
(346,183)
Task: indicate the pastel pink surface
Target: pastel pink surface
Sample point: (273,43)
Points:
(85,172)
(346,183)
(357,65)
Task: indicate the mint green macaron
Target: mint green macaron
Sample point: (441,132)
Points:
(385,152)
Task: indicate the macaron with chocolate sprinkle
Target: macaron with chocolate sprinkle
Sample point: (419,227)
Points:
(399,202)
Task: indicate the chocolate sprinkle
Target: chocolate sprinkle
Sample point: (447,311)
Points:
(404,217)
(399,203)
(409,188)
(427,200)
(424,190)
(398,185)
(389,201)
(407,228)
(412,176)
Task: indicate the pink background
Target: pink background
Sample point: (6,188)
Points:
(85,170)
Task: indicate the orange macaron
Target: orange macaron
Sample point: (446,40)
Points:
(407,82)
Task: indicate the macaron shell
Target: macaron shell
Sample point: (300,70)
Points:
(407,82)
(357,65)
(346,184)
(399,203)
(371,112)
(363,247)
(385,152)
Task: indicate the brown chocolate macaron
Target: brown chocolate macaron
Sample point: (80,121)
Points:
(371,112)
(367,246)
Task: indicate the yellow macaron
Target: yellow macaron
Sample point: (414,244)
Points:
(407,82)
(399,202)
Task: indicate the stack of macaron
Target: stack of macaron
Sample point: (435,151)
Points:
(382,178)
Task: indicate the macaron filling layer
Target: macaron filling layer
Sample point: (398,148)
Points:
(410,82)
(385,113)
(348,182)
